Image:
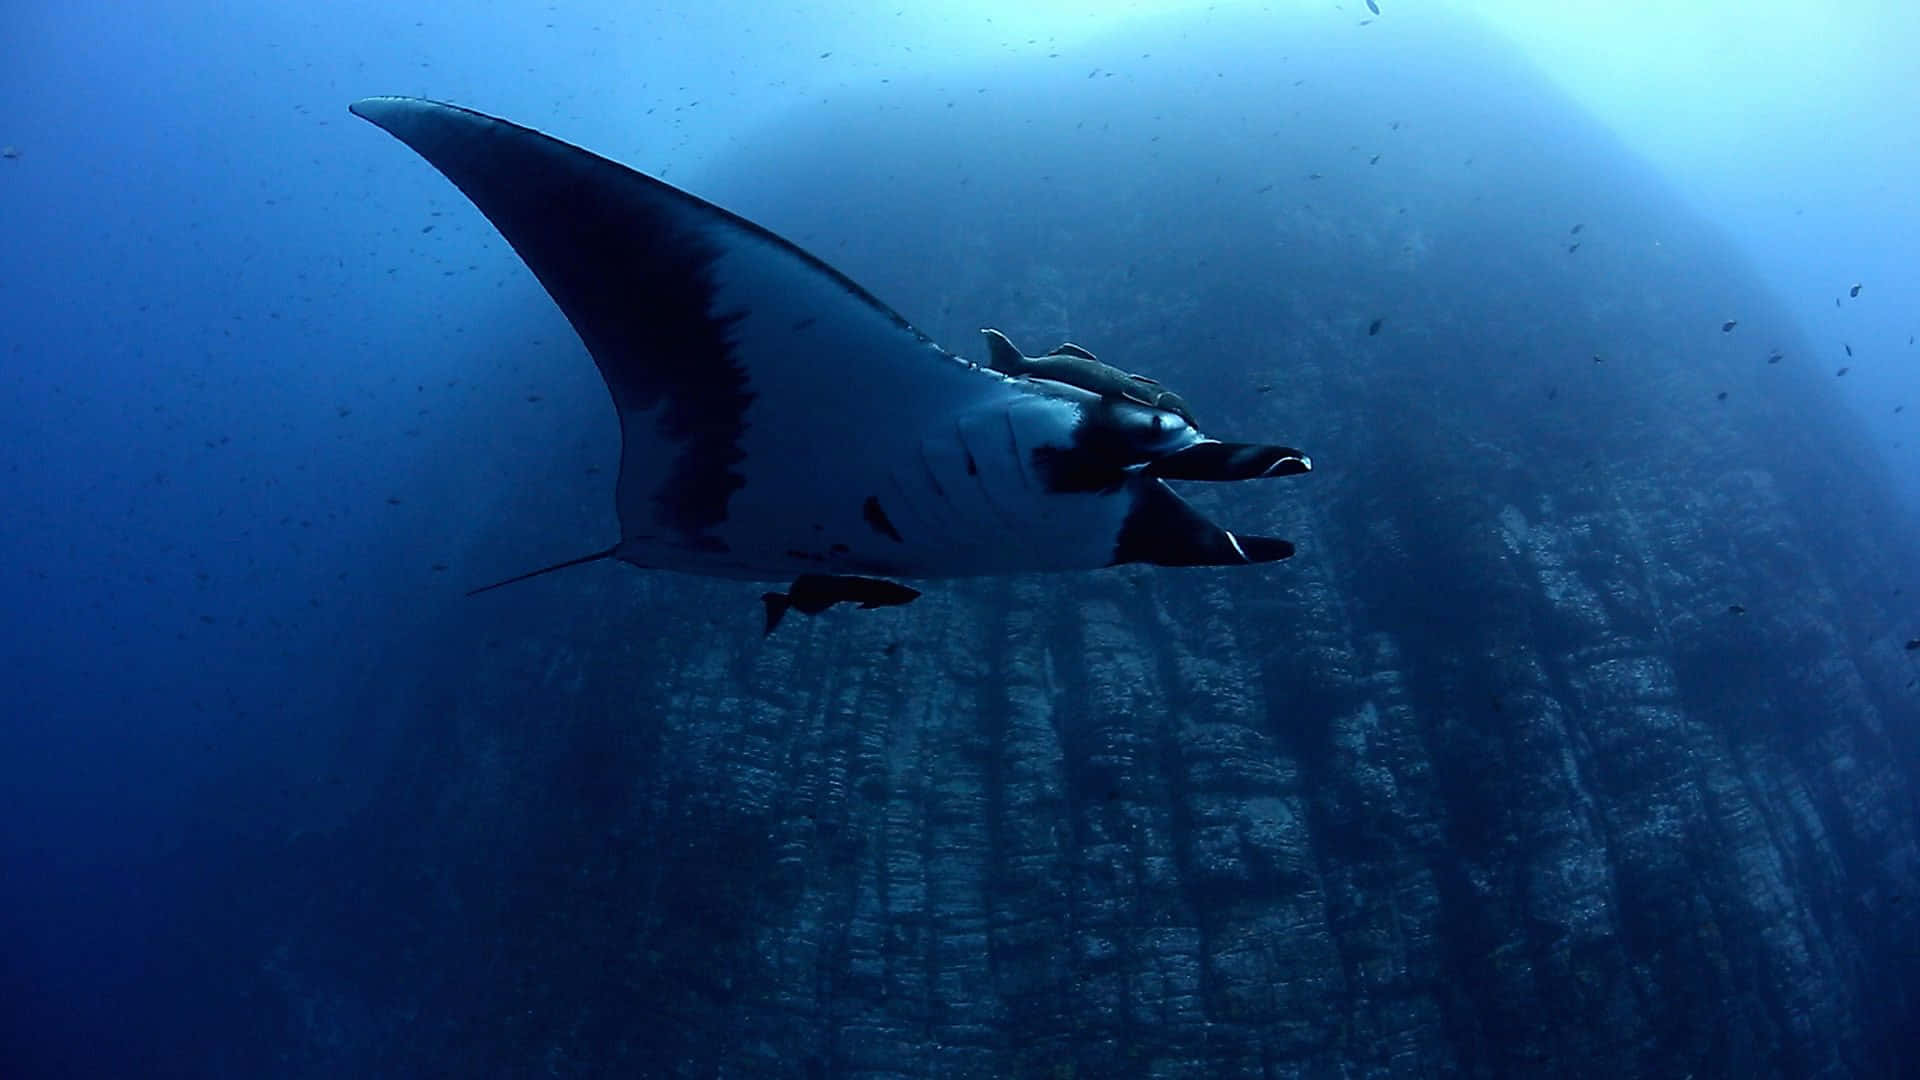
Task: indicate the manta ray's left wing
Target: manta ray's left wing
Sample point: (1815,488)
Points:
(777,419)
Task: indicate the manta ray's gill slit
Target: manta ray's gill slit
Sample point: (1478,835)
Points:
(933,477)
(1016,465)
(876,519)
(980,441)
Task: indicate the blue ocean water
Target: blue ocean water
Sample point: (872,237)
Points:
(264,377)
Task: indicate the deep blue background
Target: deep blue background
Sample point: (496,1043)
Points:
(261,373)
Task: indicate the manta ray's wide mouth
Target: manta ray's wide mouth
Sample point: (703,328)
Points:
(1222,462)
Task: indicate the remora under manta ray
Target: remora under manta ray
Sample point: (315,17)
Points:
(777,421)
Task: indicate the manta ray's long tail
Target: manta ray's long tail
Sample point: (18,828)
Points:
(595,557)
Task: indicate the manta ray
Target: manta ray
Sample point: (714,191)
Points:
(778,422)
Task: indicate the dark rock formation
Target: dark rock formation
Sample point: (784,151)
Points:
(1487,781)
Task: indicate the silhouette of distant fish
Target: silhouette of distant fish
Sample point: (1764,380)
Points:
(1576,229)
(1373,7)
(811,594)
(1374,327)
(1855,291)
(1727,327)
(1847,347)
(1913,643)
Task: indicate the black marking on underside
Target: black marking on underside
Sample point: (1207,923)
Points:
(877,518)
(1077,470)
(630,260)
(1097,460)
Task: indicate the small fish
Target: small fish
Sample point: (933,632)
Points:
(1573,247)
(1727,327)
(811,594)
(1913,643)
(1374,327)
(1374,160)
(1575,231)
(1596,359)
(1553,392)
(9,152)
(1373,7)
(1263,388)
(1721,396)
(1855,291)
(1847,347)
(1841,372)
(1898,408)
(1736,609)
(1774,357)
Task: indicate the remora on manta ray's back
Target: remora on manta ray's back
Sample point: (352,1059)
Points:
(778,422)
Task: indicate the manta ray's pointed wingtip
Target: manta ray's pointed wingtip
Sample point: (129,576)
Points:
(376,103)
(372,108)
(405,117)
